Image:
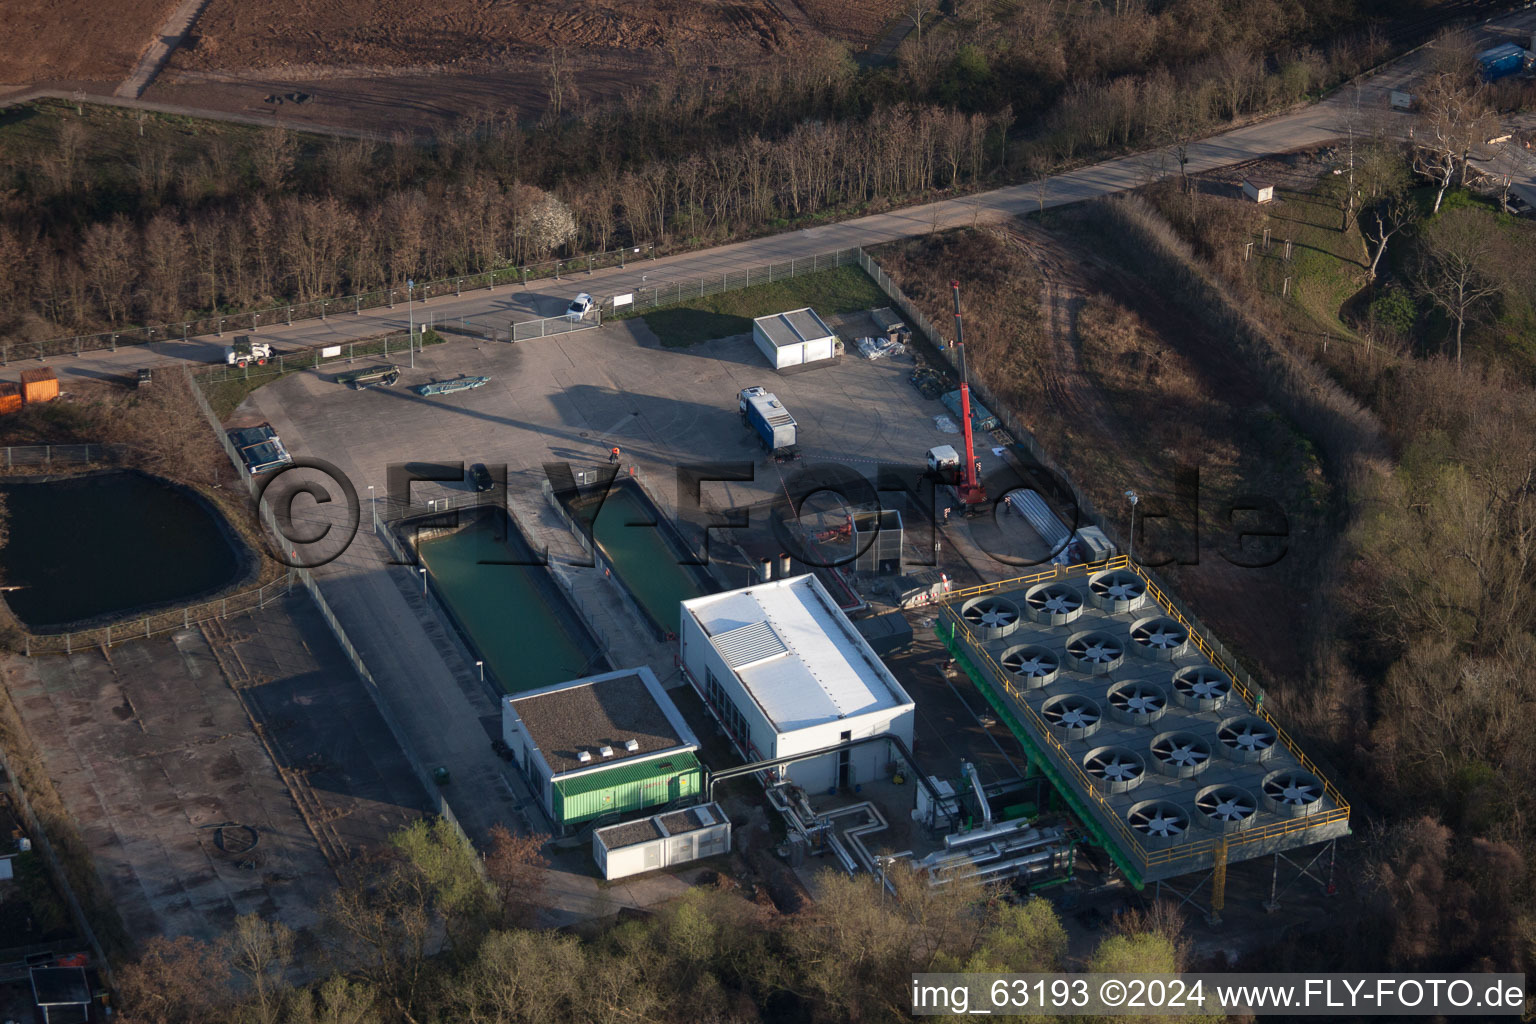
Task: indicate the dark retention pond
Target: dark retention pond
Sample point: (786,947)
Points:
(508,609)
(109,545)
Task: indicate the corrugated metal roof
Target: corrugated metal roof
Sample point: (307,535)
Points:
(794,327)
(750,644)
(828,672)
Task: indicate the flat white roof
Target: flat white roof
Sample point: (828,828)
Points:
(793,328)
(796,653)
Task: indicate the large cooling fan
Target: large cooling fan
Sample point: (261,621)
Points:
(1031,665)
(1094,652)
(1117,591)
(1292,792)
(1247,738)
(1158,822)
(1072,717)
(991,616)
(1137,703)
(1226,808)
(1160,637)
(1054,603)
(1201,688)
(1181,754)
(1114,769)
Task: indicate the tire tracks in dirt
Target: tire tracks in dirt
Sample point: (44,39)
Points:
(1062,295)
(1254,611)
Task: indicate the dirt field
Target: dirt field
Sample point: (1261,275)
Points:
(856,22)
(315,38)
(90,41)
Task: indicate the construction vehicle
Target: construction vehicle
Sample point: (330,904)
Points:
(965,478)
(774,426)
(244,352)
(383,376)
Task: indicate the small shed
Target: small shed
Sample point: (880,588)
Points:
(794,338)
(1259,191)
(10,396)
(62,994)
(661,841)
(604,745)
(39,385)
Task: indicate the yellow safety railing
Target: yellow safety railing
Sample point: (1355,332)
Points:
(1131,845)
(1237,682)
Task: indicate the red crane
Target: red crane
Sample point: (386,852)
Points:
(968,487)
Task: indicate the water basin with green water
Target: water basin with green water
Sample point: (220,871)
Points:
(650,568)
(514,615)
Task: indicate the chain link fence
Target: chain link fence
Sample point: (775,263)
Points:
(156,623)
(305,578)
(319,309)
(672,293)
(50,455)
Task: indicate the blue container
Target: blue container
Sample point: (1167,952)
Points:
(1500,62)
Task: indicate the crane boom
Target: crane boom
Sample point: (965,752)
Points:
(970,490)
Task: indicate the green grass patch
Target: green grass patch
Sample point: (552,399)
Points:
(829,292)
(1326,265)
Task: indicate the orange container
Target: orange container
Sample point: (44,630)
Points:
(10,397)
(39,385)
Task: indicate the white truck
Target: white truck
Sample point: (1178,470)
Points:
(244,352)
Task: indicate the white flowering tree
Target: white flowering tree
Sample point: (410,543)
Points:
(547,223)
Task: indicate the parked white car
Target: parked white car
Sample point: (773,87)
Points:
(580,306)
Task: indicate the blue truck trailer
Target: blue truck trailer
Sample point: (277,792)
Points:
(1501,61)
(766,415)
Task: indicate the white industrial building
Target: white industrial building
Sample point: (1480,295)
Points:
(793,338)
(785,672)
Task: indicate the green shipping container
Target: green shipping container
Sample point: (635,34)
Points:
(626,787)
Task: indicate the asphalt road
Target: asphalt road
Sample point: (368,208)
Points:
(1311,126)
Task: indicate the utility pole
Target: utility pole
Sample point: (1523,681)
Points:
(1130,541)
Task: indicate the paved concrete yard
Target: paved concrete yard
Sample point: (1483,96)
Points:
(323,728)
(150,748)
(571,398)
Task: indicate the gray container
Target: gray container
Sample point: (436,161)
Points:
(984,420)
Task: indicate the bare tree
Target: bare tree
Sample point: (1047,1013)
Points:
(272,156)
(1458,267)
(1454,119)
(111,261)
(1383,184)
(916,11)
(561,81)
(261,952)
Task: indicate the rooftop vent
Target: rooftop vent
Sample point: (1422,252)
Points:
(631,745)
(606,751)
(584,756)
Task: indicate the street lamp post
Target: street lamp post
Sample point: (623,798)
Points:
(1130,541)
(481,666)
(410,305)
(423,570)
